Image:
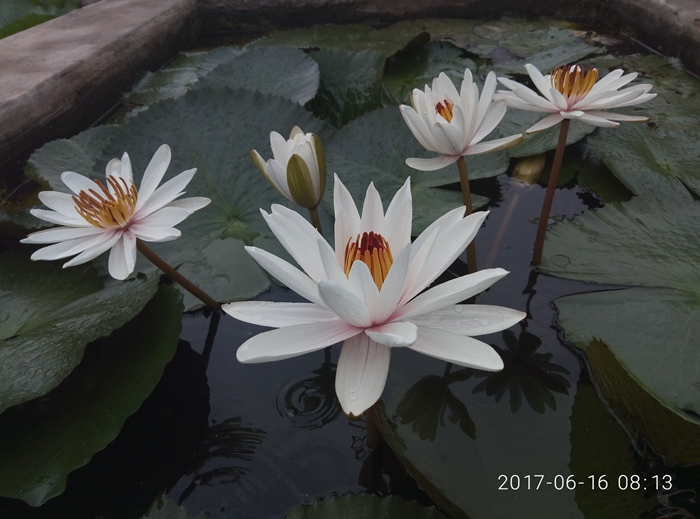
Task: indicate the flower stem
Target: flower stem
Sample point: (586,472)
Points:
(176,276)
(315,220)
(467,198)
(549,196)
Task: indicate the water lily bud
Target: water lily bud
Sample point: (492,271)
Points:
(297,169)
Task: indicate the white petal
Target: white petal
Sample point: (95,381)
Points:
(515,102)
(399,217)
(494,145)
(192,204)
(278,315)
(60,202)
(616,117)
(361,374)
(278,174)
(491,119)
(450,293)
(165,193)
(154,234)
(418,128)
(279,148)
(372,212)
(393,287)
(458,349)
(433,164)
(470,319)
(486,100)
(65,249)
(165,218)
(153,174)
(598,121)
(292,341)
(114,169)
(396,334)
(450,140)
(347,219)
(541,84)
(60,219)
(78,183)
(61,234)
(287,274)
(610,80)
(347,305)
(364,287)
(125,169)
(545,123)
(102,243)
(122,257)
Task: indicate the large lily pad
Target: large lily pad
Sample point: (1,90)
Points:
(18,15)
(652,158)
(351,85)
(374,148)
(48,315)
(213,130)
(44,440)
(364,506)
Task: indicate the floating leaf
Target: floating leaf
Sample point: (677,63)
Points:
(549,59)
(166,508)
(48,315)
(350,85)
(213,130)
(364,506)
(44,440)
(18,15)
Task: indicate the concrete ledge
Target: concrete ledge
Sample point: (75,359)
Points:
(59,77)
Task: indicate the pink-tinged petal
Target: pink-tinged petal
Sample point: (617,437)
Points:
(598,121)
(449,293)
(287,274)
(78,183)
(292,341)
(153,233)
(61,234)
(617,117)
(491,119)
(363,366)
(165,194)
(347,305)
(165,218)
(458,349)
(60,219)
(61,203)
(393,287)
(347,219)
(394,335)
(433,164)
(364,287)
(470,319)
(400,212)
(278,315)
(122,257)
(106,242)
(494,145)
(192,204)
(545,123)
(154,174)
(372,212)
(418,128)
(541,83)
(297,242)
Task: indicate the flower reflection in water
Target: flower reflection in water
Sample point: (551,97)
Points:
(424,405)
(311,403)
(525,373)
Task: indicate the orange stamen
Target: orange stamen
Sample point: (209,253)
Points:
(106,210)
(373,250)
(445,110)
(572,81)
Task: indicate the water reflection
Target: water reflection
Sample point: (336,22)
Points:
(526,372)
(424,405)
(311,403)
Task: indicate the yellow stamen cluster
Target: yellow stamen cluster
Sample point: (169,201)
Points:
(572,81)
(374,251)
(445,110)
(108,210)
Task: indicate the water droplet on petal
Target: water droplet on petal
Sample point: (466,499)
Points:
(485,322)
(434,318)
(459,309)
(263,303)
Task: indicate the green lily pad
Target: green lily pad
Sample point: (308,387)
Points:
(374,148)
(364,506)
(49,314)
(282,71)
(673,433)
(18,15)
(651,159)
(166,508)
(351,38)
(593,430)
(351,85)
(213,130)
(44,440)
(549,59)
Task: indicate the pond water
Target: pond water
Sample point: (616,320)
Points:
(259,440)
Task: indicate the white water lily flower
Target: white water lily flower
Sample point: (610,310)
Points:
(368,292)
(571,93)
(98,217)
(453,123)
(298,169)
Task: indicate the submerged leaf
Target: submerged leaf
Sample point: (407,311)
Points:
(364,506)
(44,440)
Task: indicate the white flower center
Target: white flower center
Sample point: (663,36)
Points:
(373,250)
(107,210)
(445,109)
(573,82)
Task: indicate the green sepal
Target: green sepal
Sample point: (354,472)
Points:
(300,184)
(262,167)
(321,161)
